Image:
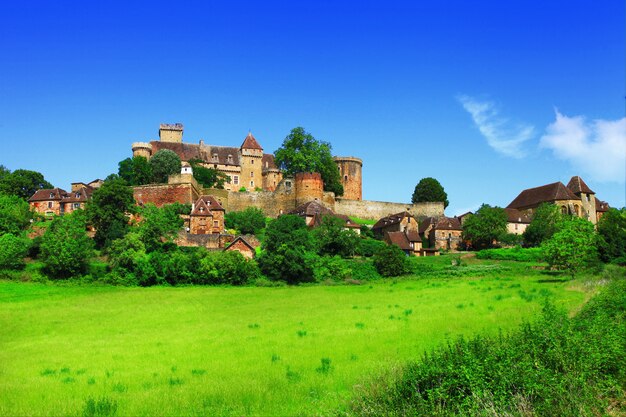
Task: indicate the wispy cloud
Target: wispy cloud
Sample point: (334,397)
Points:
(596,147)
(502,135)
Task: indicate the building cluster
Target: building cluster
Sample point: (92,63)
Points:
(418,229)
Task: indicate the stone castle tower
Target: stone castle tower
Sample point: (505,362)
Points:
(350,169)
(171,132)
(251,160)
(309,186)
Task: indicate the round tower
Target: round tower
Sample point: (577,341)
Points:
(350,171)
(309,186)
(142,149)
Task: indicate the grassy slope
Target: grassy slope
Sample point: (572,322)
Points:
(235,350)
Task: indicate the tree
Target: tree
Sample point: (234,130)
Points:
(158,225)
(107,210)
(13,249)
(390,261)
(249,221)
(545,223)
(4,171)
(486,226)
(164,163)
(208,177)
(15,214)
(301,152)
(572,247)
(23,183)
(612,235)
(286,251)
(429,190)
(65,247)
(331,238)
(136,170)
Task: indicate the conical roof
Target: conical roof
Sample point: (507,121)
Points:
(577,185)
(250,143)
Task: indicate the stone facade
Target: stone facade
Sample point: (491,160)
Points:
(441,233)
(350,171)
(240,245)
(207,217)
(56,201)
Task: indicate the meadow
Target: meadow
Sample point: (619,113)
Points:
(69,349)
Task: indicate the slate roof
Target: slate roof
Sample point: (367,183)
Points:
(577,185)
(390,220)
(546,193)
(516,216)
(250,143)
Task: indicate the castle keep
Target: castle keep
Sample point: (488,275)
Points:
(265,187)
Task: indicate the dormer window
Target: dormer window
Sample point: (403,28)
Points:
(51,195)
(230,158)
(77,195)
(214,156)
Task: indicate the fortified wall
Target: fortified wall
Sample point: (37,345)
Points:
(289,194)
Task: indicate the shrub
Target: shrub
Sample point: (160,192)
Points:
(391,261)
(331,238)
(227,268)
(332,268)
(13,249)
(368,247)
(15,214)
(65,247)
(572,247)
(249,221)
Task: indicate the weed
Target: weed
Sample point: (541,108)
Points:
(68,380)
(408,312)
(275,358)
(253,326)
(359,325)
(91,381)
(174,368)
(65,370)
(198,372)
(119,387)
(101,407)
(301,333)
(47,372)
(460,306)
(175,381)
(292,376)
(324,367)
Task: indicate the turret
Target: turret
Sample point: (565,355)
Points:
(251,160)
(171,132)
(309,186)
(350,170)
(142,149)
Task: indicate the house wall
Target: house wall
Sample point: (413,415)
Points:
(445,239)
(243,249)
(516,228)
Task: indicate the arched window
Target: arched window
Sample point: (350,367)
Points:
(563,210)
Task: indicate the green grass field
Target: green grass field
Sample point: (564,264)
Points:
(239,351)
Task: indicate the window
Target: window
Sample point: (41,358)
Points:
(235,179)
(76,206)
(49,204)
(77,195)
(216,223)
(516,226)
(267,164)
(345,178)
(251,174)
(288,185)
(252,161)
(230,158)
(214,156)
(251,184)
(51,195)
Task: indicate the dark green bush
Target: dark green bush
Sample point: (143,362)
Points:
(13,249)
(391,261)
(367,247)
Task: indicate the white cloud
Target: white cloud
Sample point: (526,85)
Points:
(501,134)
(597,148)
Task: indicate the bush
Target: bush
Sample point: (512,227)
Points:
(65,247)
(368,247)
(391,261)
(332,268)
(230,268)
(15,214)
(13,249)
(249,221)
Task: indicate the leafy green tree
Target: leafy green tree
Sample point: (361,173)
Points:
(107,210)
(136,170)
(13,249)
(301,152)
(287,251)
(612,235)
(65,247)
(4,171)
(248,221)
(23,183)
(573,247)
(331,238)
(229,267)
(391,261)
(15,214)
(544,224)
(158,225)
(164,163)
(429,190)
(208,177)
(485,227)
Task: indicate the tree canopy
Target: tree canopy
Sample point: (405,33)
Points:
(248,221)
(612,236)
(208,177)
(572,247)
(486,226)
(65,247)
(107,210)
(429,190)
(331,238)
(544,224)
(164,163)
(136,170)
(301,152)
(22,183)
(15,214)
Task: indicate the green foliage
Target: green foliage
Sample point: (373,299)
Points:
(65,246)
(126,254)
(164,163)
(100,407)
(107,210)
(332,268)
(288,230)
(485,227)
(208,177)
(572,248)
(391,261)
(249,221)
(229,267)
(513,254)
(368,247)
(15,214)
(331,238)
(301,152)
(612,235)
(544,224)
(555,366)
(23,183)
(158,226)
(135,171)
(4,171)
(13,249)
(243,190)
(429,190)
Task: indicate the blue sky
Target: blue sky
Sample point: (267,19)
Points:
(487,97)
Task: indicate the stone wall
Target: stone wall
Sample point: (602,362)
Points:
(161,194)
(375,210)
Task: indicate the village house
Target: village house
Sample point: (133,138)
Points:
(398,222)
(207,216)
(517,221)
(57,201)
(312,212)
(576,199)
(408,240)
(441,233)
(242,246)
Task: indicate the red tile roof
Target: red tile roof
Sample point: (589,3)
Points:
(577,185)
(48,194)
(602,206)
(546,193)
(250,143)
(391,219)
(205,205)
(399,239)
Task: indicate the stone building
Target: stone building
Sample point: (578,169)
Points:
(441,232)
(517,221)
(576,199)
(398,222)
(313,212)
(408,240)
(243,247)
(207,217)
(56,201)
